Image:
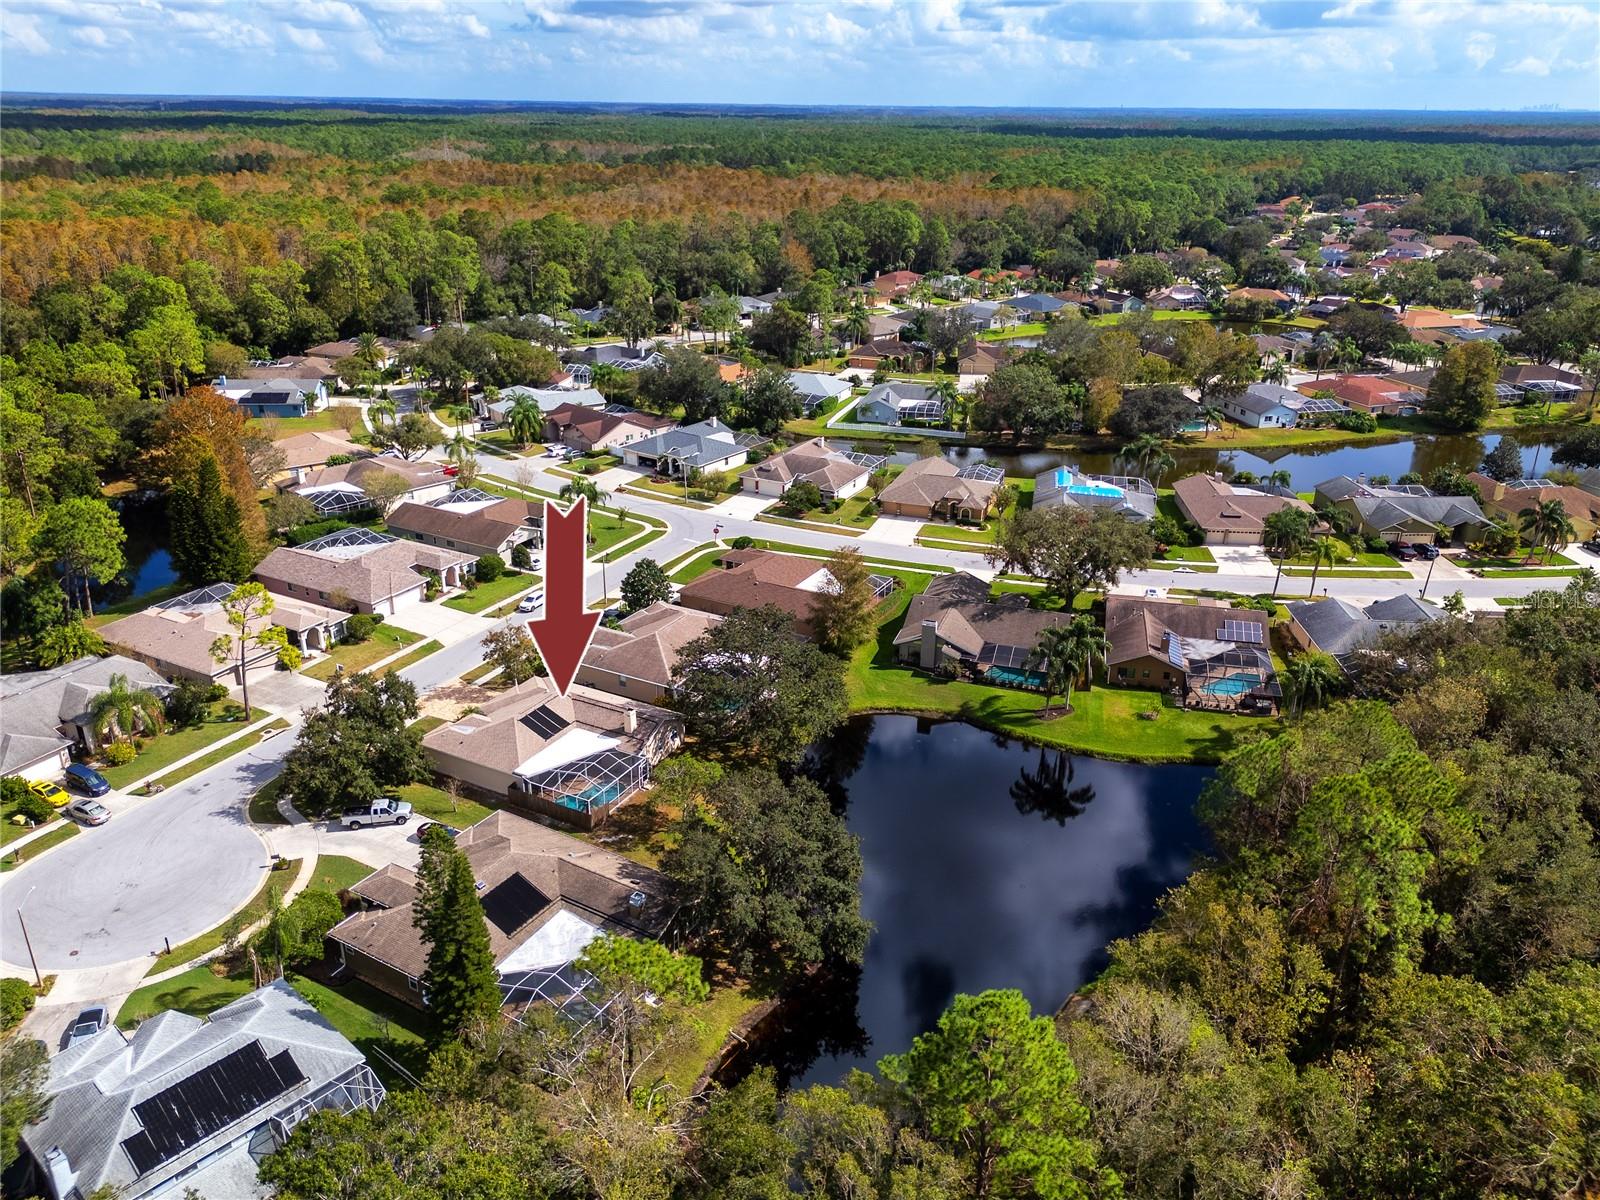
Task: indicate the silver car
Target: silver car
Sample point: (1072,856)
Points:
(89,811)
(85,1025)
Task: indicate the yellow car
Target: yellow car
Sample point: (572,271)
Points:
(46,790)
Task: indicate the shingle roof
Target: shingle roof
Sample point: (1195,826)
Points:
(1337,627)
(1138,627)
(932,481)
(1216,506)
(968,619)
(711,440)
(813,462)
(367,578)
(36,703)
(755,578)
(481,527)
(315,448)
(645,645)
(180,631)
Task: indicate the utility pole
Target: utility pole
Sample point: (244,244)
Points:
(38,979)
(1429,579)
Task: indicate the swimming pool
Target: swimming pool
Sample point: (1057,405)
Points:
(1013,677)
(1234,685)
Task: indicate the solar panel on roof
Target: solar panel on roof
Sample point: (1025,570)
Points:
(214,1097)
(1239,631)
(512,903)
(545,722)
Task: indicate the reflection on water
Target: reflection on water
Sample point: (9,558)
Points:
(988,864)
(147,561)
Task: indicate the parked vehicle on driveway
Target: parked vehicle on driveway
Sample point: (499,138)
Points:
(1425,550)
(533,600)
(1404,553)
(85,1025)
(52,792)
(90,812)
(86,780)
(427,826)
(386,811)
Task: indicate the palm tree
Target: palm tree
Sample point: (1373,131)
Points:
(461,451)
(460,414)
(1285,533)
(945,389)
(1212,416)
(1066,652)
(1142,451)
(1323,550)
(368,350)
(1160,463)
(1274,370)
(1309,678)
(525,420)
(383,411)
(607,378)
(1280,478)
(587,489)
(123,710)
(857,321)
(1546,524)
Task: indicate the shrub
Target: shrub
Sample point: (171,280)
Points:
(359,628)
(1376,545)
(301,534)
(36,808)
(590,468)
(521,557)
(339,460)
(1356,422)
(490,568)
(742,542)
(1167,530)
(290,658)
(120,753)
(16,999)
(13,790)
(186,706)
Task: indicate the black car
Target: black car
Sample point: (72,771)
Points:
(1425,550)
(86,780)
(423,829)
(1404,553)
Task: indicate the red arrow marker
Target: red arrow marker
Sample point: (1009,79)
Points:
(563,633)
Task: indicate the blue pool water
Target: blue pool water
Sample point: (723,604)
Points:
(1233,685)
(1012,677)
(1065,476)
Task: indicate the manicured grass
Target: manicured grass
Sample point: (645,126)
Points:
(1336,573)
(1189,554)
(357,656)
(197,991)
(251,913)
(263,806)
(1159,314)
(10,831)
(941,532)
(796,524)
(1516,564)
(714,1020)
(1532,573)
(478,672)
(434,804)
(335,872)
(1031,329)
(1510,601)
(167,748)
(132,604)
(875,562)
(607,529)
(415,656)
(501,440)
(38,846)
(1198,568)
(623,549)
(426,725)
(661,493)
(697,567)
(369,1019)
(225,751)
(487,594)
(856,512)
(1104,722)
(323,420)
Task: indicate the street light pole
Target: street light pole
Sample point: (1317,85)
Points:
(38,979)
(1429,579)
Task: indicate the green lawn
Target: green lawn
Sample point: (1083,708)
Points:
(815,552)
(263,807)
(132,604)
(714,1021)
(1030,329)
(1104,722)
(10,831)
(38,846)
(225,751)
(412,657)
(855,513)
(435,804)
(486,595)
(335,872)
(252,912)
(1189,554)
(1348,573)
(323,420)
(426,725)
(697,566)
(624,549)
(197,991)
(1516,564)
(167,748)
(607,529)
(357,656)
(941,532)
(500,439)
(1531,573)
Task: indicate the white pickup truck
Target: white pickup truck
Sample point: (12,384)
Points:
(379,812)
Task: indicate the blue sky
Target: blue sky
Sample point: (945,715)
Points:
(1462,54)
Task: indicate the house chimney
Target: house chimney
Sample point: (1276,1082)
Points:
(58,1167)
(630,719)
(929,649)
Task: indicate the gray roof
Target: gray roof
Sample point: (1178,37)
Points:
(38,703)
(1035,302)
(1267,397)
(97,1085)
(1338,627)
(1385,507)
(547,398)
(703,443)
(814,385)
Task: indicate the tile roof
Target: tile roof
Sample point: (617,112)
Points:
(645,645)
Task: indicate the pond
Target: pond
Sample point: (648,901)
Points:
(148,562)
(1306,468)
(988,864)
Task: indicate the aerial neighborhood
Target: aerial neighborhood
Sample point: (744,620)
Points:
(1285,492)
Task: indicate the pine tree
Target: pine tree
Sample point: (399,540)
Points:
(460,984)
(845,615)
(207,529)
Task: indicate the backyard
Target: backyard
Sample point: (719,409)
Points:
(386,639)
(224,718)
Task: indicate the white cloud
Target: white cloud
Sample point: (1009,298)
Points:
(307,39)
(1480,49)
(1531,65)
(22,31)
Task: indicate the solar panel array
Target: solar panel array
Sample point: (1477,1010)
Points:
(545,722)
(206,1102)
(1240,631)
(512,903)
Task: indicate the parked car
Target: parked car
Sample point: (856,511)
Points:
(1592,545)
(86,780)
(90,812)
(85,1025)
(1404,553)
(423,829)
(1425,550)
(1183,570)
(386,811)
(533,600)
(52,792)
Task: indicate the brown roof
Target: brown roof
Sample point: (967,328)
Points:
(1215,506)
(645,644)
(181,634)
(755,578)
(931,481)
(884,347)
(813,462)
(1137,627)
(388,887)
(487,527)
(1433,318)
(315,448)
(565,874)
(294,366)
(1255,293)
(594,423)
(1520,373)
(1578,503)
(369,578)
(966,617)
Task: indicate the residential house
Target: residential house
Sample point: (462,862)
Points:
(816,388)
(1376,395)
(837,476)
(1504,502)
(47,713)
(360,570)
(1279,300)
(955,626)
(887,353)
(1272,406)
(591,316)
(1541,382)
(575,757)
(1443,242)
(1211,655)
(1341,629)
(472,521)
(1180,297)
(546,895)
(936,489)
(1335,254)
(1229,514)
(191,1104)
(278,397)
(385,352)
(887,325)
(707,446)
(989,314)
(757,578)
(334,491)
(175,636)
(306,452)
(549,399)
(1126,495)
(730,370)
(983,358)
(1410,251)
(590,429)
(305,369)
(898,401)
(1036,304)
(636,657)
(893,284)
(1402,512)
(621,355)
(751,307)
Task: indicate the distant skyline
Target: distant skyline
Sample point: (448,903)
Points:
(1467,55)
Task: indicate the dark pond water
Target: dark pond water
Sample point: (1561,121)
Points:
(988,864)
(1307,468)
(149,564)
